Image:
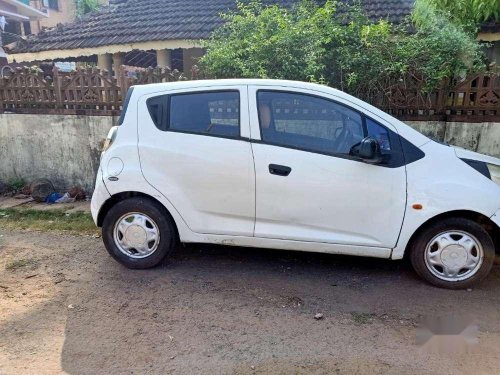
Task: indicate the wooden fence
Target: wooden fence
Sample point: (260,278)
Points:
(474,99)
(84,92)
(91,92)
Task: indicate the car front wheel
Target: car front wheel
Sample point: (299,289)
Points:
(138,233)
(455,253)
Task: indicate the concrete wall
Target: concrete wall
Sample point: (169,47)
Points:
(64,149)
(481,137)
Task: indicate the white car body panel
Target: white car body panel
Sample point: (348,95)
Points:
(377,222)
(328,199)
(100,196)
(467,154)
(496,218)
(441,183)
(325,198)
(210,180)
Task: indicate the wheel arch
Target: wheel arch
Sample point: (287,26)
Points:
(119,197)
(484,221)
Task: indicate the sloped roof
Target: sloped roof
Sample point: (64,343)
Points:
(131,21)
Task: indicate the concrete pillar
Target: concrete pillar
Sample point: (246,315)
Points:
(105,62)
(190,57)
(164,58)
(117,62)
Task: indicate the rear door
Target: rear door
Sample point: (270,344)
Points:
(194,149)
(308,187)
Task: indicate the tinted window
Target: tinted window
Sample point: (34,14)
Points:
(215,113)
(308,122)
(380,133)
(125,105)
(157,107)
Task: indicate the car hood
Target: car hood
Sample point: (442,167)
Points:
(471,155)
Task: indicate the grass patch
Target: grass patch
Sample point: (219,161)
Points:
(20,263)
(361,318)
(48,220)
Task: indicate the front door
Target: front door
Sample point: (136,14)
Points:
(308,187)
(194,149)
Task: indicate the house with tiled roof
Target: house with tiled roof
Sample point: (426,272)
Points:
(152,32)
(15,17)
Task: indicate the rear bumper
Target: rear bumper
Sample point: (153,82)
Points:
(100,196)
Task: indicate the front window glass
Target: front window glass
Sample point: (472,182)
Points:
(308,122)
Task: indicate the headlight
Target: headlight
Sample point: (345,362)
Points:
(494,172)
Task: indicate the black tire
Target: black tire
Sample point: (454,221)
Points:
(419,245)
(153,210)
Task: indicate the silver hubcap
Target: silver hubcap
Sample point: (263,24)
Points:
(136,235)
(454,255)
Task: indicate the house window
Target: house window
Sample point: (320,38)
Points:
(27,28)
(51,4)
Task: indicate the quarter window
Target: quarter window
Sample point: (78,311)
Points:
(308,122)
(209,113)
(52,4)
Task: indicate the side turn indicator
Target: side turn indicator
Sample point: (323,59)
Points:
(417,206)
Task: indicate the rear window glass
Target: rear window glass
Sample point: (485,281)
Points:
(125,106)
(209,113)
(215,113)
(157,107)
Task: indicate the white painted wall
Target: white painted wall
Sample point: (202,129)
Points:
(66,149)
(483,137)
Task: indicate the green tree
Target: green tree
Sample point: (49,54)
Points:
(85,6)
(270,42)
(469,13)
(342,49)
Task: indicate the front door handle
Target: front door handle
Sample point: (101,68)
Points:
(279,170)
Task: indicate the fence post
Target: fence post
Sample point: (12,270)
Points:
(2,81)
(122,82)
(57,88)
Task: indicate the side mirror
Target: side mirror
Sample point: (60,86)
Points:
(368,150)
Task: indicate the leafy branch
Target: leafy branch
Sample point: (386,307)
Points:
(343,49)
(86,6)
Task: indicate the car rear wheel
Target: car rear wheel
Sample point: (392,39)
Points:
(138,233)
(455,253)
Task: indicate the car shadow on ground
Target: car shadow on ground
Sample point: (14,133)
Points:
(213,307)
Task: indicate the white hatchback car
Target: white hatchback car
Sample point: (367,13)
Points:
(296,166)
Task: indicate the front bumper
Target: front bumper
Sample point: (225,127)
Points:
(100,196)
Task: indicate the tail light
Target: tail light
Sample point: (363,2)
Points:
(110,138)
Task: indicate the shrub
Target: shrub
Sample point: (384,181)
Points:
(343,49)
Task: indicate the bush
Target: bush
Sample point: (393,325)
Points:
(16,183)
(343,49)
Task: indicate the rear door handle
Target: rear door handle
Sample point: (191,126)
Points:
(279,170)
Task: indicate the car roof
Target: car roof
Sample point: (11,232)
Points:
(150,88)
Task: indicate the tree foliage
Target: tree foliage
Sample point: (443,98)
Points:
(342,49)
(86,6)
(469,13)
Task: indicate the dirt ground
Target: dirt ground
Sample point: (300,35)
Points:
(67,307)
